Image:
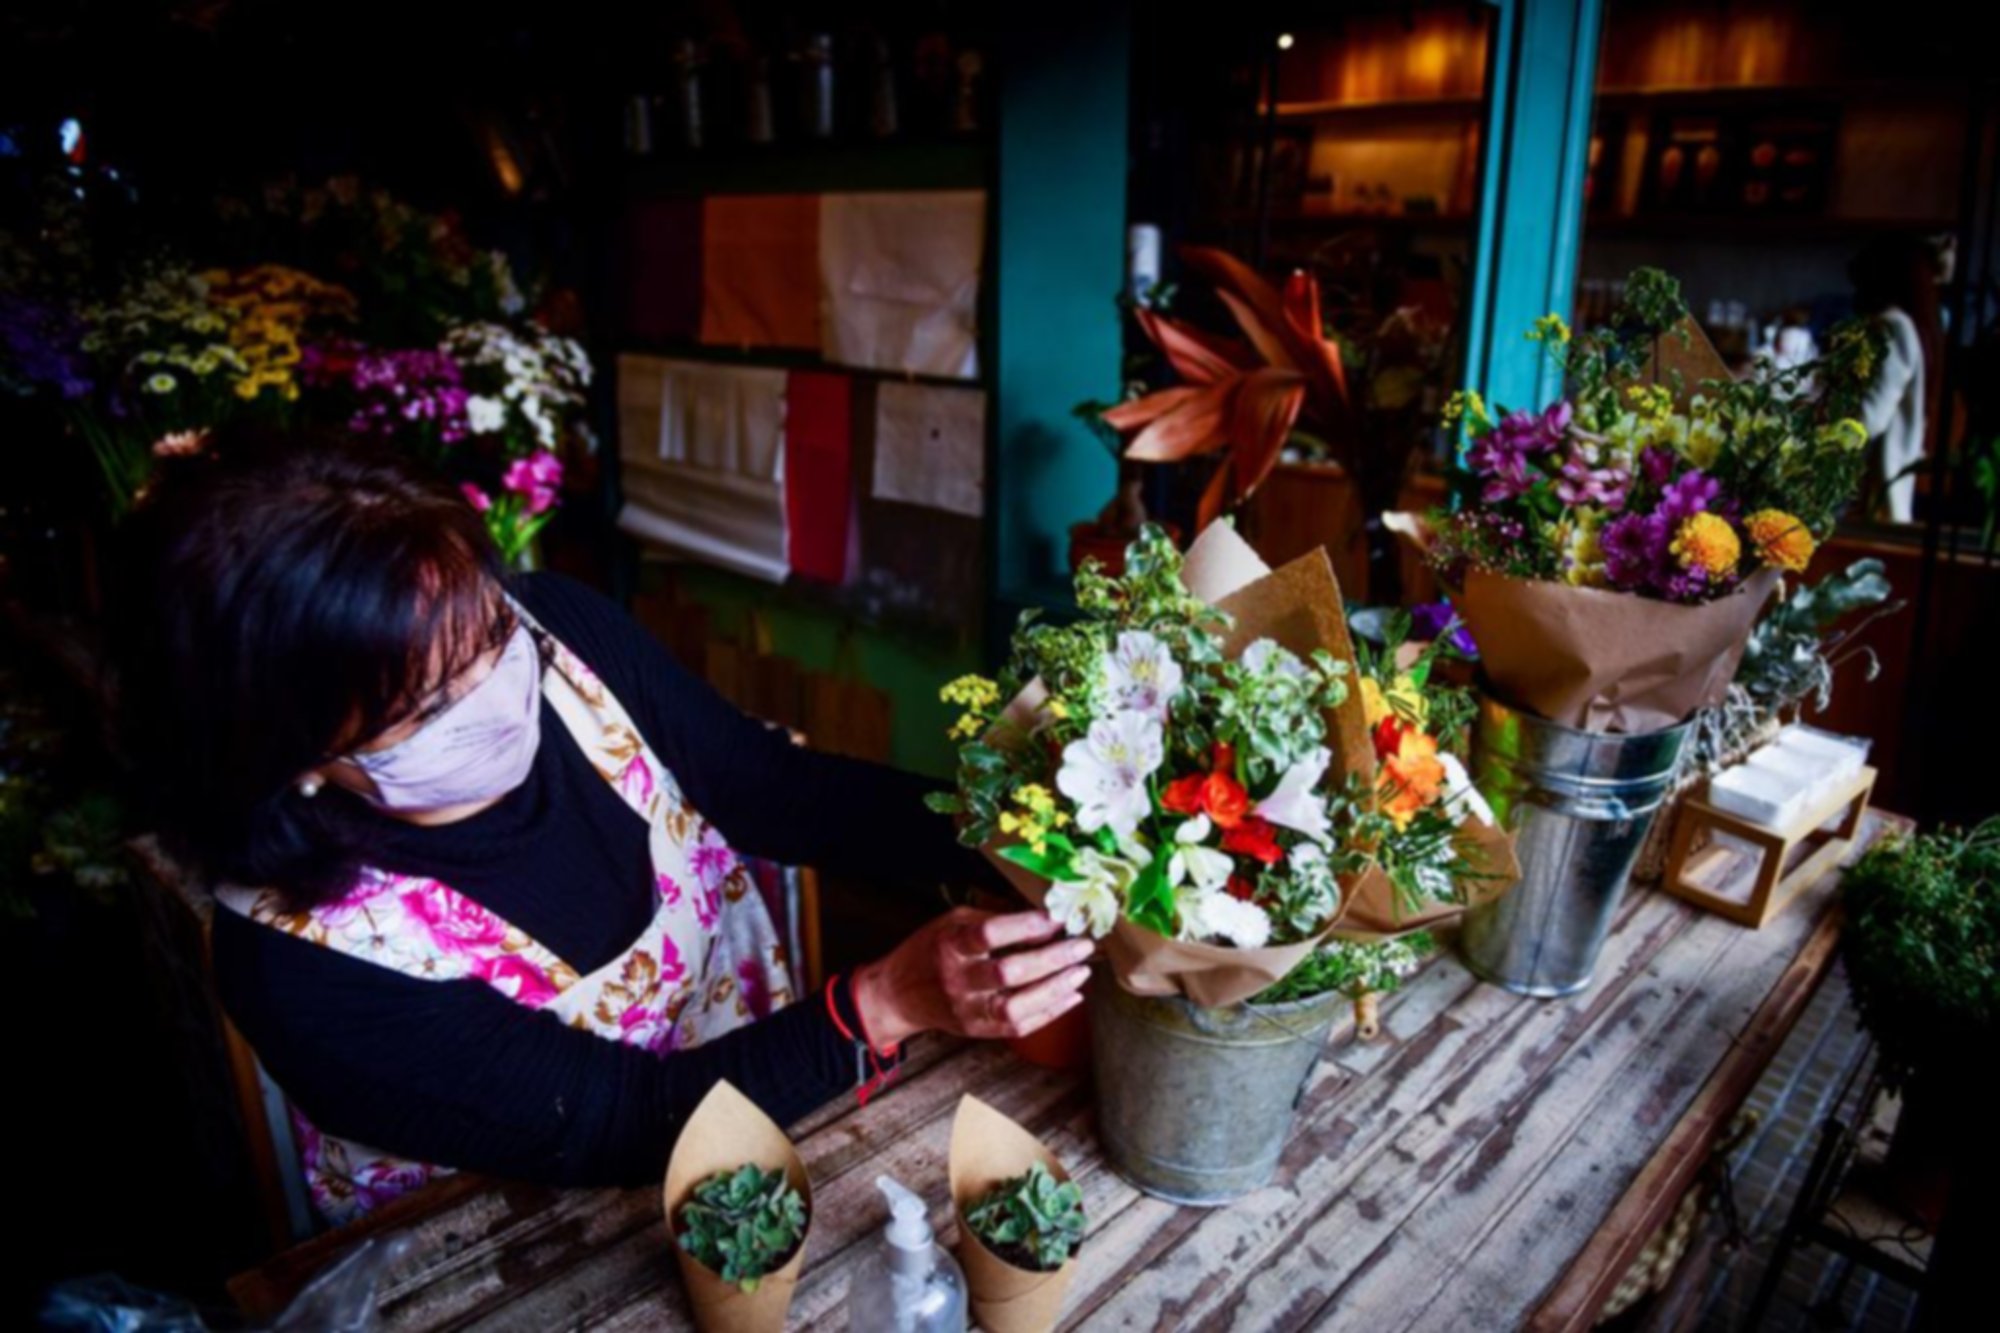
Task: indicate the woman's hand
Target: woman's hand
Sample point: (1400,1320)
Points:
(947,977)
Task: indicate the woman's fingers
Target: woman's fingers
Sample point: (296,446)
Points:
(1009,971)
(997,931)
(1030,1007)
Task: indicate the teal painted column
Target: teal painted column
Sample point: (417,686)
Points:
(1531,192)
(1060,259)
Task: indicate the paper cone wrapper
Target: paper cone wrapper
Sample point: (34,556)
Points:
(725,1132)
(1375,911)
(1597,660)
(987,1148)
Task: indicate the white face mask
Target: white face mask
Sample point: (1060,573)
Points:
(479,748)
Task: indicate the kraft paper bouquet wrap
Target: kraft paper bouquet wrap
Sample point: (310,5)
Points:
(1611,553)
(988,1150)
(726,1133)
(1201,773)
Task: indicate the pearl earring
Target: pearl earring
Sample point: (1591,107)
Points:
(309,786)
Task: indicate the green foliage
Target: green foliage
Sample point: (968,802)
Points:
(1353,968)
(1921,946)
(1034,1214)
(743,1224)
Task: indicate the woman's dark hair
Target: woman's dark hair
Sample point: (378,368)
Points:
(278,601)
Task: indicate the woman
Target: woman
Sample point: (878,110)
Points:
(479,836)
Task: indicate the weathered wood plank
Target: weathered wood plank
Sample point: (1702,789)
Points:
(1399,1132)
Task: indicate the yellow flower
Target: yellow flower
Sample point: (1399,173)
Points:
(1654,402)
(1706,541)
(1468,404)
(1407,698)
(1847,433)
(1781,541)
(1583,549)
(1549,328)
(975,692)
(1058,709)
(1374,703)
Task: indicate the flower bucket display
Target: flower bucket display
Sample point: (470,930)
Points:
(1202,774)
(1610,555)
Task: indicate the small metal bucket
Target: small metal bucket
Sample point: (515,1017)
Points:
(1580,804)
(1194,1105)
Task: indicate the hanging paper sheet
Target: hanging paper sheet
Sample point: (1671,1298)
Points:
(899,280)
(702,449)
(760,270)
(930,446)
(819,492)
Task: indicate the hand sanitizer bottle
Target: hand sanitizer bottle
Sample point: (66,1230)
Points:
(908,1283)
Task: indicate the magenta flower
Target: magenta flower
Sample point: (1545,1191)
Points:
(1687,495)
(475,497)
(1635,549)
(1583,484)
(535,478)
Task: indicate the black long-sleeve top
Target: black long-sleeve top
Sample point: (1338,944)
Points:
(456,1073)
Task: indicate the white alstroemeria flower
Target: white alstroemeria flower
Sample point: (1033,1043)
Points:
(1292,803)
(1140,674)
(1306,854)
(1105,773)
(485,415)
(1461,798)
(1266,653)
(1208,868)
(1207,916)
(1091,904)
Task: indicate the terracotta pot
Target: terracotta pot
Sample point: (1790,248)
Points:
(1063,1044)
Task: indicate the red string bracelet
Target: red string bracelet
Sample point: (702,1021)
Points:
(869,1085)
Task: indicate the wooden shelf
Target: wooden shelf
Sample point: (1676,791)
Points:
(1440,108)
(1780,227)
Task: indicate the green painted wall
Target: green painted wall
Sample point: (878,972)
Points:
(1060,259)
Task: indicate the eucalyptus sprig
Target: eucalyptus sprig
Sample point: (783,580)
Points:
(1032,1214)
(743,1224)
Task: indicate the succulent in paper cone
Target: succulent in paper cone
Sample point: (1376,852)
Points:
(743,1223)
(1032,1216)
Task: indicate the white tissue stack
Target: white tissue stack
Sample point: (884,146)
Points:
(1788,776)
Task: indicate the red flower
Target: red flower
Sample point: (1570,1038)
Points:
(1239,887)
(1214,793)
(1389,737)
(1254,838)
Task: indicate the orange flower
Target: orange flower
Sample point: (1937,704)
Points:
(1412,777)
(1781,541)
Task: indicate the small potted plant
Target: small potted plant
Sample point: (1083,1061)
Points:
(1020,1220)
(1921,947)
(738,1207)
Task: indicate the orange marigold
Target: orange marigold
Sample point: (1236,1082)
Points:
(1412,777)
(1706,541)
(1780,540)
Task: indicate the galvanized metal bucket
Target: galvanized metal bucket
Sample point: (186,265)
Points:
(1193,1104)
(1580,803)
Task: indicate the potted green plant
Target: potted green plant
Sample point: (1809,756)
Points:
(743,1224)
(1921,945)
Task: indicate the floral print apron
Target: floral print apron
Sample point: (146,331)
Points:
(710,961)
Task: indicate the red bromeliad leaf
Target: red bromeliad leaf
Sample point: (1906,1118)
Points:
(1195,422)
(1140,411)
(1214,496)
(1271,344)
(1267,406)
(1198,357)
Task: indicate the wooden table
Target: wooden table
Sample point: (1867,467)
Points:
(1490,1162)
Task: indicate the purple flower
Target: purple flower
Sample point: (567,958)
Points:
(1685,585)
(1635,549)
(1431,620)
(39,348)
(1658,464)
(1583,484)
(1686,495)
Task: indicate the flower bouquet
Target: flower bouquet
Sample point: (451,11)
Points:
(1200,772)
(1610,553)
